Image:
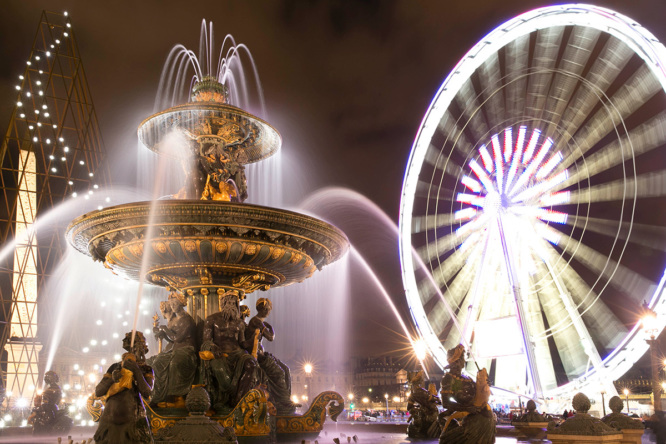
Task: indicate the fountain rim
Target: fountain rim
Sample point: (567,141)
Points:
(78,225)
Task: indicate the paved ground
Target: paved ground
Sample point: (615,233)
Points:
(365,433)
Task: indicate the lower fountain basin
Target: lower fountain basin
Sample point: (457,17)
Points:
(196,244)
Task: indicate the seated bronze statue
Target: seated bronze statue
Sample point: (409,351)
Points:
(123,389)
(277,375)
(46,417)
(462,398)
(228,371)
(175,367)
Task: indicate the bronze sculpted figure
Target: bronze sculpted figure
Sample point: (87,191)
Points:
(46,417)
(229,371)
(470,403)
(124,386)
(278,377)
(422,408)
(619,420)
(531,415)
(175,367)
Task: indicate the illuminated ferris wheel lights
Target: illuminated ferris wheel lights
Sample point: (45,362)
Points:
(552,216)
(483,177)
(472,225)
(465,214)
(471,240)
(548,233)
(487,160)
(521,139)
(471,199)
(532,167)
(497,151)
(550,165)
(472,184)
(555,198)
(507,144)
(542,187)
(531,145)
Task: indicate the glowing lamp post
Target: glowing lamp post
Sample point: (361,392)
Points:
(603,402)
(650,328)
(387,407)
(626,397)
(308,377)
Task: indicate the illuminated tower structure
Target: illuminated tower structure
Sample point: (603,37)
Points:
(52,151)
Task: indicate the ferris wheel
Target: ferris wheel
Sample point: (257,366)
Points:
(533,212)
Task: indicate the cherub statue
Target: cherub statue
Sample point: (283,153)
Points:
(470,403)
(422,408)
(123,388)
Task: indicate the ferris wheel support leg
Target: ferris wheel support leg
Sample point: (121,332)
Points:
(466,333)
(590,350)
(520,314)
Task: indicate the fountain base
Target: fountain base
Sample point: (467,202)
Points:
(251,420)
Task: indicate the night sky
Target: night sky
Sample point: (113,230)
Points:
(346,83)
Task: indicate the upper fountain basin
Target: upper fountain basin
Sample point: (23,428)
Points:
(251,137)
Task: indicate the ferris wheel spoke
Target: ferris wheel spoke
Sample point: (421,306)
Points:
(640,140)
(516,60)
(440,314)
(649,236)
(454,135)
(493,99)
(630,97)
(421,224)
(576,56)
(631,283)
(606,68)
(543,63)
(467,101)
(647,185)
(440,246)
(582,294)
(427,191)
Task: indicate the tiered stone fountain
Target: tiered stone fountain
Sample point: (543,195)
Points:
(206,242)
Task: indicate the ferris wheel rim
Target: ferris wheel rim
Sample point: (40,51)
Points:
(638,39)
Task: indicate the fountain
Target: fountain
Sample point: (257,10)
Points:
(209,249)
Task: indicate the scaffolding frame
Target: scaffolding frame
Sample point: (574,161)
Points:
(52,151)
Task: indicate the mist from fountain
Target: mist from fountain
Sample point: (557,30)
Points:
(75,280)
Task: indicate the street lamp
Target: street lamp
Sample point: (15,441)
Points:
(626,397)
(650,328)
(603,403)
(387,408)
(308,377)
